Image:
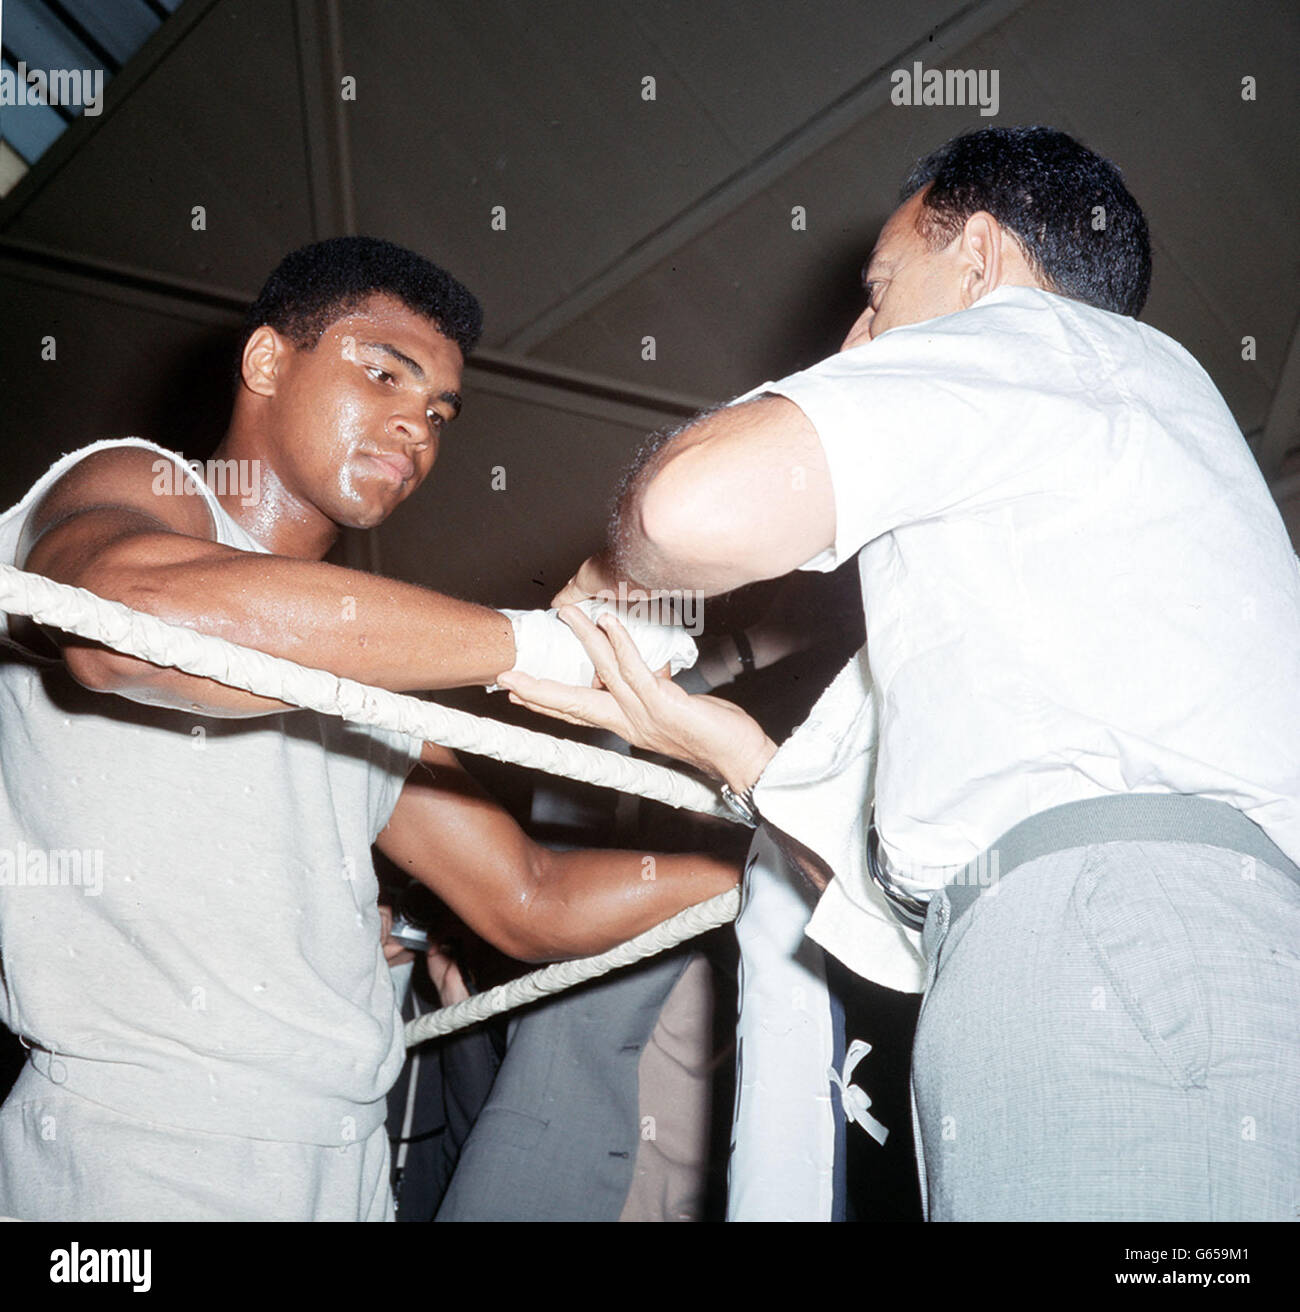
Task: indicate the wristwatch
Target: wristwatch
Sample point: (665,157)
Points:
(744,651)
(742,804)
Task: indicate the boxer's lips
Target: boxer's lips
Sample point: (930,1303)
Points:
(397,469)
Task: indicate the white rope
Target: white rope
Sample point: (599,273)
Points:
(77,611)
(145,636)
(562,975)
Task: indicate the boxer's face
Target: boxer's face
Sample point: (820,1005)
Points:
(357,418)
(905,280)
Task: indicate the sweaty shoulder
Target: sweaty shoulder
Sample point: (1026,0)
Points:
(133,481)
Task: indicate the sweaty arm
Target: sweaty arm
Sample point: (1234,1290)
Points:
(103,527)
(530,902)
(744,493)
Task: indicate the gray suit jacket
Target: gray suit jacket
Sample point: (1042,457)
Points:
(557,1139)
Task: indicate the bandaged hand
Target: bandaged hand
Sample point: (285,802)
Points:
(547,648)
(710,733)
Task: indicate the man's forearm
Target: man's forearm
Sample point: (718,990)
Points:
(359,626)
(590,901)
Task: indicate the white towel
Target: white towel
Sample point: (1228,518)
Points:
(817,788)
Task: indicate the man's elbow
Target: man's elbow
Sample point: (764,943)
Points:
(100,669)
(534,928)
(682,527)
(531,943)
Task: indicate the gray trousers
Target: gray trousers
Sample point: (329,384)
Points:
(1112,1033)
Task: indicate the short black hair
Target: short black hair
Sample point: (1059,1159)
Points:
(1046,188)
(316,285)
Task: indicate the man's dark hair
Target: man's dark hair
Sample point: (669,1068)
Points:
(1047,189)
(313,287)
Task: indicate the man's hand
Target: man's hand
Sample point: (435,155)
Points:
(598,580)
(446,976)
(594,575)
(394,952)
(650,712)
(443,970)
(547,649)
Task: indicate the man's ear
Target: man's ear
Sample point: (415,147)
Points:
(982,257)
(263,360)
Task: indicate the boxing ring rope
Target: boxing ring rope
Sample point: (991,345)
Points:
(562,975)
(148,638)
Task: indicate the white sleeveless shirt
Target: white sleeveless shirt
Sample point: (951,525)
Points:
(188,922)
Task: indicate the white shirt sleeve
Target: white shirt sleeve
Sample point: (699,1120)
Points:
(915,424)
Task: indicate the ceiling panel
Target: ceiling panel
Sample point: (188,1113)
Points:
(751,299)
(1220,196)
(217,123)
(488,105)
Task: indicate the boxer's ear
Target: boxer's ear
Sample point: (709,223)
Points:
(263,360)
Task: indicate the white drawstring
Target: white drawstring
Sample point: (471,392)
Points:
(856,1101)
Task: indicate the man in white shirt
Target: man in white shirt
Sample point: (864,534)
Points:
(1077,591)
